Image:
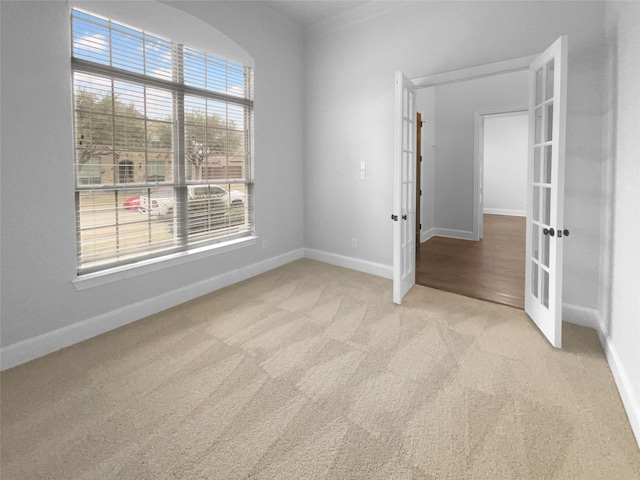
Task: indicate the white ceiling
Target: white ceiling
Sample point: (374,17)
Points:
(312,12)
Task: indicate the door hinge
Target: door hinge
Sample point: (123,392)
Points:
(394,218)
(420,157)
(420,226)
(421,192)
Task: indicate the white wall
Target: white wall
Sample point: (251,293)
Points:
(620,260)
(349,104)
(506,139)
(456,105)
(41,307)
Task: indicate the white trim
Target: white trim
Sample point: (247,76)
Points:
(372,268)
(21,352)
(478,162)
(472,73)
(426,235)
(103,277)
(505,211)
(630,401)
(449,233)
(586,317)
(589,317)
(478,175)
(360,14)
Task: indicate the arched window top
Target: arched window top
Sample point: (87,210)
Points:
(171,23)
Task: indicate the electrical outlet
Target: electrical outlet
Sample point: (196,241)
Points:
(354,242)
(362,175)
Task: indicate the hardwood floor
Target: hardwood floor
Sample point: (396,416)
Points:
(491,269)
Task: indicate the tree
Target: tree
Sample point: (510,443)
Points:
(209,136)
(100,132)
(107,126)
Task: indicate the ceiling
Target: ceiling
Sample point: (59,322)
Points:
(312,12)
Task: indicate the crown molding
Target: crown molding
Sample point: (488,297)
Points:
(368,11)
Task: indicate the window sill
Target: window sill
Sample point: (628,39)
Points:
(97,279)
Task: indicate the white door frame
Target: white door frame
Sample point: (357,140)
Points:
(472,73)
(478,161)
(489,70)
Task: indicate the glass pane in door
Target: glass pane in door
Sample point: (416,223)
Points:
(549,80)
(546,245)
(544,288)
(536,165)
(546,206)
(539,87)
(538,127)
(547,164)
(549,123)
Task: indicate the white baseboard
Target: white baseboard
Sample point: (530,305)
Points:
(629,399)
(446,232)
(427,234)
(365,266)
(21,352)
(504,211)
(588,317)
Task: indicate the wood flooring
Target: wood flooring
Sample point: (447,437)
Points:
(491,269)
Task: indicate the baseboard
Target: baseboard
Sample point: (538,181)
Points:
(365,266)
(427,234)
(446,232)
(588,317)
(49,342)
(504,211)
(621,376)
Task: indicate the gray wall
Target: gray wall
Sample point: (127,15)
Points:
(456,105)
(349,104)
(38,248)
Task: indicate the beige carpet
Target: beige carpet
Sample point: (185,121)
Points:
(310,372)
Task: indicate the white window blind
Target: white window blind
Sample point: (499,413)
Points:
(163,141)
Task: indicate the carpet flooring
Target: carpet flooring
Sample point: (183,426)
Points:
(310,372)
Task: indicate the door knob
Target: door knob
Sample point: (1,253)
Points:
(404,217)
(549,231)
(564,232)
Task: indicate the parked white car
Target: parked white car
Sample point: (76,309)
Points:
(161,202)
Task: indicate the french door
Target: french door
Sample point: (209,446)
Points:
(545,229)
(404,216)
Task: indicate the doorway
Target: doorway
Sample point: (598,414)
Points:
(547,94)
(485,260)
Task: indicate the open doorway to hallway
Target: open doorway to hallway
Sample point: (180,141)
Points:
(489,262)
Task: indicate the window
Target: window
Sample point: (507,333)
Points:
(125,171)
(89,172)
(163,141)
(155,170)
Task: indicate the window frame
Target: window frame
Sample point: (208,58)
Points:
(183,242)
